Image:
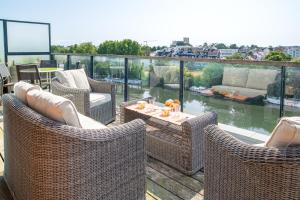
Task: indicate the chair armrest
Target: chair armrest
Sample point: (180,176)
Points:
(195,126)
(69,97)
(265,173)
(102,86)
(81,96)
(250,153)
(105,87)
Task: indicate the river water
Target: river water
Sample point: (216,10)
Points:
(257,118)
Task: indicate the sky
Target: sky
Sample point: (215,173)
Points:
(159,22)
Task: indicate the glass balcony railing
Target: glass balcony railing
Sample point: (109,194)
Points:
(250,95)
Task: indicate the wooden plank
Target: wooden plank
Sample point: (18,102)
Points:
(171,185)
(199,176)
(4,191)
(187,181)
(149,197)
(1,140)
(158,192)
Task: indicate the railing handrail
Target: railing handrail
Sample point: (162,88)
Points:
(186,59)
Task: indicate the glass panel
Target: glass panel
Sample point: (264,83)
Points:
(239,98)
(32,59)
(1,43)
(156,78)
(78,62)
(27,37)
(111,70)
(61,60)
(292,92)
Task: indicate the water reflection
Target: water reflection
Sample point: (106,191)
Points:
(256,118)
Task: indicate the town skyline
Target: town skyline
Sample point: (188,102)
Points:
(268,22)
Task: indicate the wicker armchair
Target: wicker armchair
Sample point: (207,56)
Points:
(235,170)
(45,159)
(105,112)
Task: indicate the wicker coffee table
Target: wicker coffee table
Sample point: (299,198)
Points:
(176,140)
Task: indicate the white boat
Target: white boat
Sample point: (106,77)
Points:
(287,102)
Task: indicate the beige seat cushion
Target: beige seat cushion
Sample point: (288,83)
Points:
(99,98)
(286,133)
(239,90)
(235,76)
(74,78)
(22,88)
(54,107)
(261,78)
(89,123)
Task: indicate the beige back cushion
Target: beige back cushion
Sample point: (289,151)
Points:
(22,88)
(80,79)
(235,76)
(74,78)
(286,133)
(261,78)
(66,78)
(54,107)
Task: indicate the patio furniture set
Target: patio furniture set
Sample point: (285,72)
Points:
(57,146)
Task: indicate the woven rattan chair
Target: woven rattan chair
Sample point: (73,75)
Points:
(5,79)
(235,170)
(45,159)
(105,112)
(30,73)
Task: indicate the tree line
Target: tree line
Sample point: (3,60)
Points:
(123,47)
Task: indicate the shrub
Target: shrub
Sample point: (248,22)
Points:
(277,56)
(211,75)
(297,59)
(102,69)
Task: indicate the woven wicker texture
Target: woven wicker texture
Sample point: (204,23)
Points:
(105,113)
(45,159)
(235,170)
(178,146)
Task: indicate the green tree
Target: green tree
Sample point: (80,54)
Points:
(59,49)
(235,56)
(233,46)
(86,47)
(277,56)
(145,50)
(124,47)
(128,47)
(221,46)
(297,59)
(253,46)
(211,75)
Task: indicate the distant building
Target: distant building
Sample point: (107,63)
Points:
(293,51)
(184,42)
(213,53)
(227,52)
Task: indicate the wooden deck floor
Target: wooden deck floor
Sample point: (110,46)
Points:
(163,182)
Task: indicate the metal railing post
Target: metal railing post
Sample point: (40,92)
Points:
(126,80)
(282,91)
(5,42)
(181,84)
(91,67)
(68,62)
